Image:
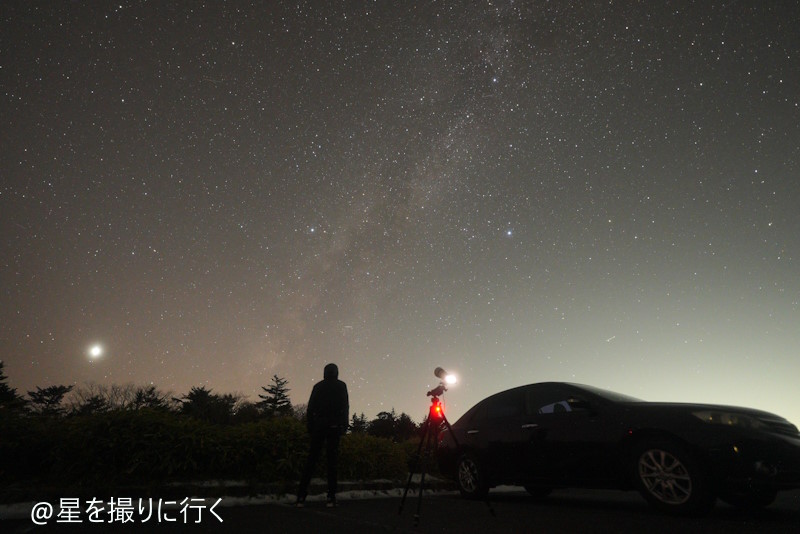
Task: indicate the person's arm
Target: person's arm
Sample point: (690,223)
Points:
(311,409)
(345,419)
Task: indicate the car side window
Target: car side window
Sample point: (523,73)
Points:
(571,404)
(552,400)
(555,407)
(541,400)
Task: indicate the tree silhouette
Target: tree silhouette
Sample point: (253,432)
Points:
(391,426)
(300,412)
(358,424)
(404,428)
(90,406)
(47,401)
(245,412)
(149,397)
(383,425)
(200,403)
(276,401)
(9,398)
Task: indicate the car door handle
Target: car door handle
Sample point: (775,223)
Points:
(472,431)
(530,425)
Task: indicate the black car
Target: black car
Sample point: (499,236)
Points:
(680,457)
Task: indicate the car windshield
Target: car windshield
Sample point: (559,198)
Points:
(610,395)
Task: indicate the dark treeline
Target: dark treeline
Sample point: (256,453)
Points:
(101,437)
(200,402)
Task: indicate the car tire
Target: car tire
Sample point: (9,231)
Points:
(749,499)
(670,478)
(471,478)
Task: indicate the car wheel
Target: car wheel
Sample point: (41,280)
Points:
(471,478)
(670,478)
(538,492)
(752,498)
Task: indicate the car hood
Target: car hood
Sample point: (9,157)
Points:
(693,407)
(776,422)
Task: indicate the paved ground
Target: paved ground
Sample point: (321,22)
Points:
(565,511)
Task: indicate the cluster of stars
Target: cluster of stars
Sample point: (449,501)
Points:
(515,191)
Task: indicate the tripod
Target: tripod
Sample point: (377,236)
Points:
(430,437)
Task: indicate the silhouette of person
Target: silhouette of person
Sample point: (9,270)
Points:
(327,412)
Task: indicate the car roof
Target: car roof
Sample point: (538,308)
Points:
(605,394)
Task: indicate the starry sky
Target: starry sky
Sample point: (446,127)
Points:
(517,191)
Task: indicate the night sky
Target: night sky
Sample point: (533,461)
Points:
(518,191)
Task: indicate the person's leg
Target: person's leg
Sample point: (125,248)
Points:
(332,450)
(311,462)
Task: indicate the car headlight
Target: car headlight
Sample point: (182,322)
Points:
(728,419)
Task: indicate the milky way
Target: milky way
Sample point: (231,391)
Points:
(604,193)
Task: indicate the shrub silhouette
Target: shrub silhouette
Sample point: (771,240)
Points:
(139,442)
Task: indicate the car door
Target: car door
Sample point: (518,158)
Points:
(494,433)
(570,436)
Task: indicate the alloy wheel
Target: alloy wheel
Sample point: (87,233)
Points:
(665,477)
(468,475)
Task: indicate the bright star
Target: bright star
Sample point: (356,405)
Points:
(95,352)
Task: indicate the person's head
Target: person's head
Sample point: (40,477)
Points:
(331,372)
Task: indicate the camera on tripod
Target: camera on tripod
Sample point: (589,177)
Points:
(431,427)
(434,424)
(436,412)
(444,378)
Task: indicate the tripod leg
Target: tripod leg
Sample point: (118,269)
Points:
(489,506)
(414,467)
(429,447)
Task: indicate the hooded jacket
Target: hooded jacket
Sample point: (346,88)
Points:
(329,404)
